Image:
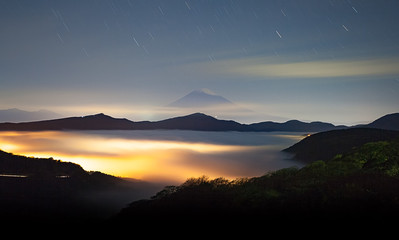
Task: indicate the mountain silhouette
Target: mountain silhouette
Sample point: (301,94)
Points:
(196,122)
(201,98)
(92,122)
(17,115)
(204,100)
(389,122)
(326,145)
(294,126)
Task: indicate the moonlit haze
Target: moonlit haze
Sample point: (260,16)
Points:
(311,60)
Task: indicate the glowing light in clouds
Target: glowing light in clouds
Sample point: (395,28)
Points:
(148,159)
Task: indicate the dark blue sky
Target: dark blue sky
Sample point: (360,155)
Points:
(330,60)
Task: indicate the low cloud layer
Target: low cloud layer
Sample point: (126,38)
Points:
(170,156)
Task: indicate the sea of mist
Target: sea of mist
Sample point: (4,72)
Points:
(155,158)
(160,155)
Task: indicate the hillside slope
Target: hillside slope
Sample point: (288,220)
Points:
(358,186)
(325,145)
(52,191)
(389,122)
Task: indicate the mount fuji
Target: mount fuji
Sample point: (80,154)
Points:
(206,101)
(203,98)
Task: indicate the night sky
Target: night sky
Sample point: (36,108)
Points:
(328,60)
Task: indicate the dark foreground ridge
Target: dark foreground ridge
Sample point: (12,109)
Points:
(361,184)
(325,145)
(51,191)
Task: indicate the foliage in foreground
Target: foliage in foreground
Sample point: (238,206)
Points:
(362,182)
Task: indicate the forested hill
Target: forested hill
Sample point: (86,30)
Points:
(325,145)
(359,186)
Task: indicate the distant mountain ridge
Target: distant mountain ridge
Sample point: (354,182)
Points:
(18,115)
(196,122)
(92,122)
(294,126)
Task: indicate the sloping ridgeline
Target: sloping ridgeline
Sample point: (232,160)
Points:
(360,184)
(389,122)
(196,122)
(48,190)
(325,145)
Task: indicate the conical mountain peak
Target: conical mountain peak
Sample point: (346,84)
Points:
(200,98)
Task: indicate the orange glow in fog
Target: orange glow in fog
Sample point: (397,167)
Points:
(140,159)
